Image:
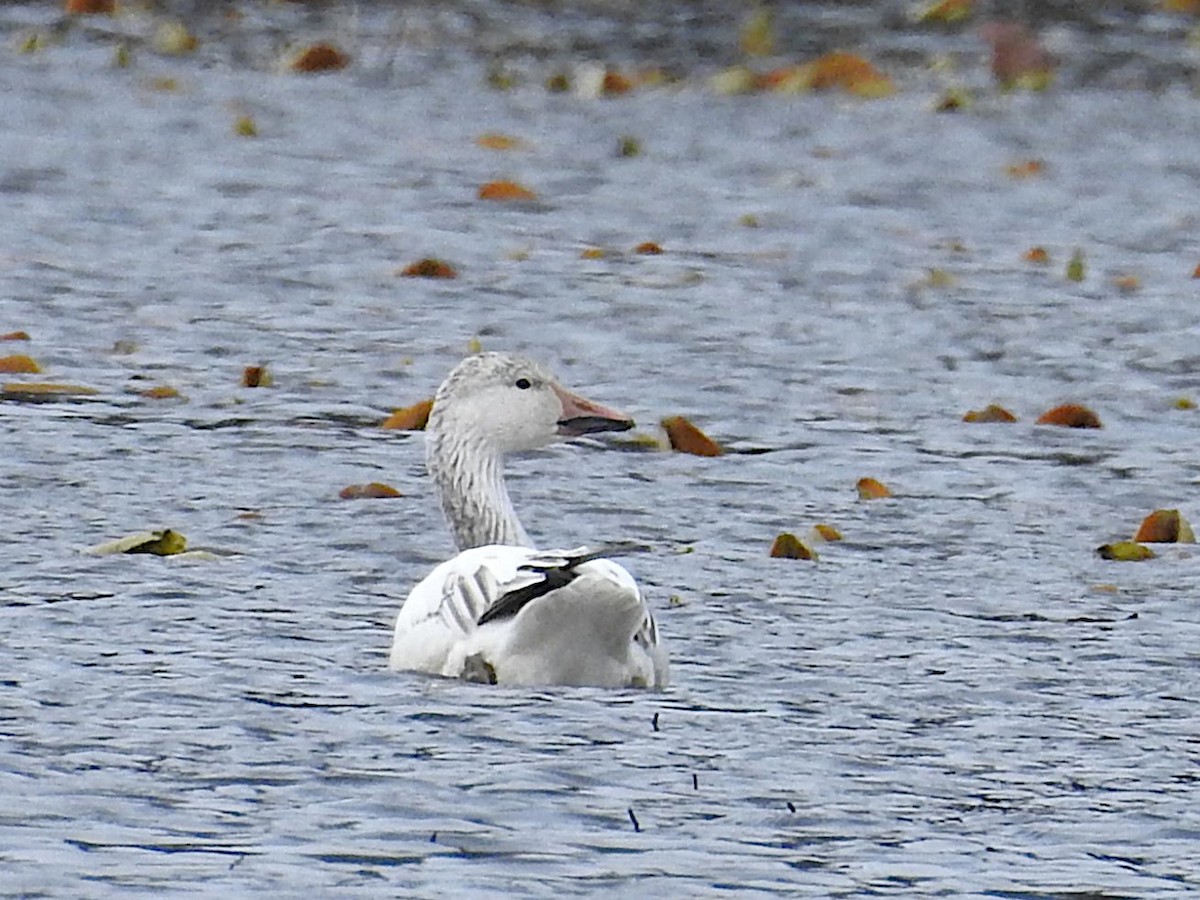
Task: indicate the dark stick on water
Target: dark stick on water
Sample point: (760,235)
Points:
(633,819)
(654,722)
(695,782)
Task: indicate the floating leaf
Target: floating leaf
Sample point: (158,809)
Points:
(943,11)
(321,57)
(256,377)
(1184,403)
(558,83)
(492,141)
(788,546)
(474,345)
(429,267)
(734,80)
(628,146)
(174,39)
(35,391)
(1070,415)
(1037,255)
(160,543)
(954,100)
(870,489)
(1127,284)
(1026,169)
(593,253)
(687,438)
(1125,551)
(505,191)
(1196,271)
(838,69)
(410,418)
(374,490)
(990,413)
(19,364)
(827,532)
(90,7)
(243,126)
(757,34)
(1018,59)
(1076,268)
(15,336)
(161,392)
(648,248)
(1165,526)
(122,56)
(615,83)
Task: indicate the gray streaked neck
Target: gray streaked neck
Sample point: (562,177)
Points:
(469,475)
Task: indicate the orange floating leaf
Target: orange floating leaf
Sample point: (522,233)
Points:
(34,391)
(870,489)
(374,490)
(1025,169)
(410,418)
(492,141)
(593,253)
(1196,271)
(1127,284)
(1037,255)
(428,268)
(505,191)
(1070,415)
(90,7)
(256,377)
(648,248)
(687,438)
(19,363)
(1165,526)
(990,413)
(827,532)
(160,392)
(15,336)
(851,73)
(788,546)
(321,57)
(1125,551)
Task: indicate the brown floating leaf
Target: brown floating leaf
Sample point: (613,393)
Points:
(1037,255)
(15,336)
(990,413)
(410,418)
(1196,271)
(429,267)
(687,438)
(506,191)
(35,391)
(1018,59)
(19,363)
(788,546)
(493,141)
(374,490)
(321,57)
(870,489)
(256,377)
(615,83)
(1070,415)
(648,248)
(1125,551)
(1165,526)
(1026,168)
(90,7)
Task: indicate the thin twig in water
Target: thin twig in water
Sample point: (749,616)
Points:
(633,819)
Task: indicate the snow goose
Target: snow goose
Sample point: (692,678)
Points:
(502,611)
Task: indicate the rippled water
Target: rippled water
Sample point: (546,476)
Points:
(960,698)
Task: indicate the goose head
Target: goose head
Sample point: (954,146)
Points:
(514,404)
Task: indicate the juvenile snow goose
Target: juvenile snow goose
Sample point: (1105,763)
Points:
(502,611)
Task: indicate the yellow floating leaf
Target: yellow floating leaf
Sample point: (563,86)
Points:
(506,191)
(1165,526)
(788,546)
(1125,551)
(174,39)
(429,267)
(827,532)
(19,364)
(870,489)
(954,100)
(990,413)
(687,438)
(734,80)
(1070,415)
(492,141)
(256,377)
(159,543)
(243,126)
(474,345)
(593,253)
(757,34)
(1184,403)
(410,418)
(322,57)
(374,490)
(944,11)
(161,392)
(35,391)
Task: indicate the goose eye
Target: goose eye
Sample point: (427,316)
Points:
(524,383)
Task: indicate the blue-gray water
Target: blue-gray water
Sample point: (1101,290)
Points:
(959,699)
